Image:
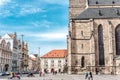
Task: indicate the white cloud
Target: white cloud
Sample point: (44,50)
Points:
(43,23)
(3,2)
(60,2)
(58,35)
(30,10)
(51,36)
(5,13)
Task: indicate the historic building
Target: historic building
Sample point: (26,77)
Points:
(12,38)
(54,60)
(5,56)
(25,56)
(19,50)
(94,36)
(32,63)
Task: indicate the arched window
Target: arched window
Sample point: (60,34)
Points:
(101,46)
(117,38)
(83,61)
(3,43)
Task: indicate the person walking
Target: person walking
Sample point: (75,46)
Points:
(40,73)
(11,76)
(91,76)
(17,76)
(86,75)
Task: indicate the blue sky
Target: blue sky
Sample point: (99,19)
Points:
(44,23)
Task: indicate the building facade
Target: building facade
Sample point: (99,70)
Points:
(54,60)
(34,62)
(5,56)
(19,52)
(25,56)
(31,63)
(93,40)
(12,38)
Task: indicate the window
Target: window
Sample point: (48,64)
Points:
(81,45)
(59,65)
(52,65)
(117,38)
(83,61)
(101,45)
(45,61)
(76,62)
(82,33)
(52,61)
(59,61)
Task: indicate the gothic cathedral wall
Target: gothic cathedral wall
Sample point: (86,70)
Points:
(76,7)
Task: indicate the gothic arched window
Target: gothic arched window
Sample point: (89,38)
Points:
(83,61)
(101,46)
(117,37)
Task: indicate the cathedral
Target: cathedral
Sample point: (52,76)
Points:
(94,36)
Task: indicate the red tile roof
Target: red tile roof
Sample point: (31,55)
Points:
(56,54)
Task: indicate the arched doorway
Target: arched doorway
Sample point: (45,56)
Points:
(117,38)
(52,70)
(6,67)
(101,46)
(59,71)
(82,62)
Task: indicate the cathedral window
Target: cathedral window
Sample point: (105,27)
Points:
(113,2)
(101,46)
(76,62)
(118,12)
(82,33)
(100,13)
(97,2)
(81,45)
(83,61)
(117,36)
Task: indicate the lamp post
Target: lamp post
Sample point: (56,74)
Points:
(39,57)
(39,51)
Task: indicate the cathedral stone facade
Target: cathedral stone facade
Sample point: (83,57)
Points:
(94,36)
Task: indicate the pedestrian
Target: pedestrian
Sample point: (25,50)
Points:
(11,76)
(17,76)
(86,75)
(40,73)
(91,76)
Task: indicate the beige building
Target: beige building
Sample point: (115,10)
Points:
(19,52)
(5,56)
(31,63)
(94,36)
(12,38)
(34,62)
(54,60)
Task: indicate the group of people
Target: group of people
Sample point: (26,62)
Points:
(41,73)
(88,75)
(14,75)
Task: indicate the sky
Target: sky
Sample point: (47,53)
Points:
(44,23)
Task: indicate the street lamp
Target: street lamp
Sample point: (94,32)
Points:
(39,57)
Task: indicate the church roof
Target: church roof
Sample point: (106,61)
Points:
(99,13)
(104,2)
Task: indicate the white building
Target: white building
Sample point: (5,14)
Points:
(12,38)
(5,56)
(54,60)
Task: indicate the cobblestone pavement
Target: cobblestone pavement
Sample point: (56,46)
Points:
(69,77)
